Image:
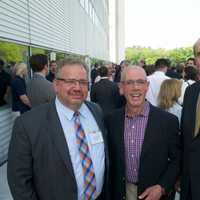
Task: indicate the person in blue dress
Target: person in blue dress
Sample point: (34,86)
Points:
(20,101)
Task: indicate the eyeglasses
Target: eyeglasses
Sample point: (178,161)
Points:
(73,82)
(139,82)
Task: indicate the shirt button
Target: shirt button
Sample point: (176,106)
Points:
(132,141)
(132,156)
(133,126)
(134,170)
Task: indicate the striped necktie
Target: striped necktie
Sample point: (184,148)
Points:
(86,161)
(197,118)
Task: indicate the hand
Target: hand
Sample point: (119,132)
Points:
(152,193)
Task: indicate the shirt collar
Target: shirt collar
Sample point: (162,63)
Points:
(69,113)
(143,113)
(40,74)
(159,72)
(104,77)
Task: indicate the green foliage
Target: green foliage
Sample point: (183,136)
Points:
(37,51)
(11,52)
(60,56)
(97,61)
(178,55)
(74,56)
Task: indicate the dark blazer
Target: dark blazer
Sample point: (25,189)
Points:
(190,182)
(39,90)
(160,156)
(39,164)
(50,77)
(106,94)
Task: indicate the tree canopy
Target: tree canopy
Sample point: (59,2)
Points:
(178,55)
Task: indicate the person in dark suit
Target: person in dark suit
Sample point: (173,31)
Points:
(39,89)
(51,76)
(58,150)
(190,124)
(119,69)
(143,144)
(94,73)
(105,92)
(172,73)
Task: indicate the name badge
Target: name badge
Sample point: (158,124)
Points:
(96,137)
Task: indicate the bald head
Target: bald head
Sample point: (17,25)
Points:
(139,70)
(134,86)
(195,47)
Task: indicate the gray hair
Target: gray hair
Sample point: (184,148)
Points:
(67,62)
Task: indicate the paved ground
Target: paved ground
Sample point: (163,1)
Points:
(4,190)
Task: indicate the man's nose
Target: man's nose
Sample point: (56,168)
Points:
(77,85)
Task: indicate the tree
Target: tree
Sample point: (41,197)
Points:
(11,52)
(178,55)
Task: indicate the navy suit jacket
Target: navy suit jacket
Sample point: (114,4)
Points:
(160,156)
(190,179)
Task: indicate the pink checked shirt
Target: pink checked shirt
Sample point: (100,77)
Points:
(133,139)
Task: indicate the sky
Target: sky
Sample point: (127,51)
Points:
(162,23)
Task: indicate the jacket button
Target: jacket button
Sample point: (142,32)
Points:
(124,197)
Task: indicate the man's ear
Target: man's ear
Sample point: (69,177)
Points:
(55,85)
(121,91)
(148,85)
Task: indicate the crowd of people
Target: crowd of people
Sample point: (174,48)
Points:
(137,137)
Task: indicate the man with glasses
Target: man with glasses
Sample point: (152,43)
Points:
(58,150)
(143,143)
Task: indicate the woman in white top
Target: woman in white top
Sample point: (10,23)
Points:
(169,93)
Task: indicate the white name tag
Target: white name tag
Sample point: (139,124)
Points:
(96,137)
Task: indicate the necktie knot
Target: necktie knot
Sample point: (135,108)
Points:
(76,113)
(76,116)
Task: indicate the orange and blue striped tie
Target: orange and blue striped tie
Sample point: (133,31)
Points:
(86,161)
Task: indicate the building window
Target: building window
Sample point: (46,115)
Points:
(82,2)
(10,54)
(86,6)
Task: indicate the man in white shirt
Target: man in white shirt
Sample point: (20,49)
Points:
(156,79)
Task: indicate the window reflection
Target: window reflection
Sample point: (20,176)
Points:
(10,54)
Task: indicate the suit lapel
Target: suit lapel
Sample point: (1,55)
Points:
(99,121)
(56,133)
(97,118)
(149,132)
(192,105)
(104,134)
(119,123)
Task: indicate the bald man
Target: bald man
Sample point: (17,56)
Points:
(144,144)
